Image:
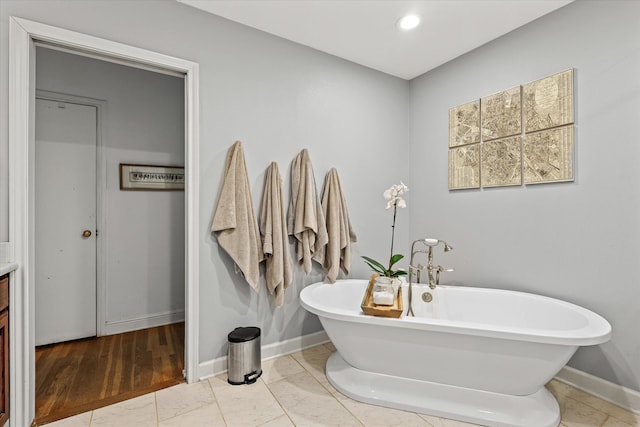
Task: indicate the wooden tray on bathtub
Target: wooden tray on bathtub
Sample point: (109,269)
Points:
(372,309)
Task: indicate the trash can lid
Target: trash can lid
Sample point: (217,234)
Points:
(244,334)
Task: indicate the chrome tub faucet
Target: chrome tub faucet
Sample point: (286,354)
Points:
(430,268)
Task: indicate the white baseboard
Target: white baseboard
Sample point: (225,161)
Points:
(128,325)
(618,395)
(218,366)
(6,252)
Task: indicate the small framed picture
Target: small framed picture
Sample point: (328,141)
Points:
(151,178)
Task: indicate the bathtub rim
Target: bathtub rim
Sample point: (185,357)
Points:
(597,331)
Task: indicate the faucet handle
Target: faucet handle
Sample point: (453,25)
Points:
(441,269)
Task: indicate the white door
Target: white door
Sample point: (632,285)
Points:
(65,221)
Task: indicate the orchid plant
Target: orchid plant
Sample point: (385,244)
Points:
(394,199)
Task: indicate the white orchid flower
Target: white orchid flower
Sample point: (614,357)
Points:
(392,195)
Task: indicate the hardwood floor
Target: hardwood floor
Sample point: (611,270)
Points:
(82,375)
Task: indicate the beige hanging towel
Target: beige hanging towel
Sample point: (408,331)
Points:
(337,254)
(273,228)
(234,220)
(305,220)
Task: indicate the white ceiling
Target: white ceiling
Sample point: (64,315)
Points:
(365,31)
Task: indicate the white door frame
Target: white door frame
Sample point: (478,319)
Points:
(101,188)
(22,37)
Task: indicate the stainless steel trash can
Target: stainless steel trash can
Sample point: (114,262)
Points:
(243,358)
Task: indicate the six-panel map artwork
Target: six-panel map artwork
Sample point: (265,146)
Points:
(522,135)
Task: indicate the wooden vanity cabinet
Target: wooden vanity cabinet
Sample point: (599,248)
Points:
(4,349)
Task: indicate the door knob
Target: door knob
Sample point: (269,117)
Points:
(86,233)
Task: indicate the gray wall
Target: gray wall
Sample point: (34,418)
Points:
(277,97)
(575,241)
(144,236)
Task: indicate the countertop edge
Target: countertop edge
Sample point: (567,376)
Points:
(7,267)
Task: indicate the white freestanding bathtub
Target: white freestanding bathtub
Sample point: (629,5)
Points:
(472,354)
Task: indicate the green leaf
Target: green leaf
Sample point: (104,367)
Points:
(375,265)
(395,258)
(374,262)
(398,273)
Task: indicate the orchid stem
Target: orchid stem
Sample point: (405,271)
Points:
(393,232)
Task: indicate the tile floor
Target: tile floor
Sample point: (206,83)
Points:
(293,391)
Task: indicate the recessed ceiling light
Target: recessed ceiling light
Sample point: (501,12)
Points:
(409,22)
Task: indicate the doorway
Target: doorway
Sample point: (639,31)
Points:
(23,35)
(140,119)
(128,115)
